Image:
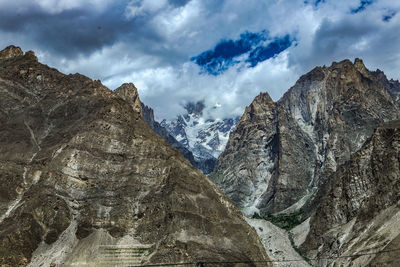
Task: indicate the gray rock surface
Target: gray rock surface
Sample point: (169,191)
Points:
(148,116)
(280,153)
(360,211)
(83,175)
(129,93)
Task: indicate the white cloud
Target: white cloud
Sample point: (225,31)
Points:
(167,89)
(159,38)
(54,6)
(144,7)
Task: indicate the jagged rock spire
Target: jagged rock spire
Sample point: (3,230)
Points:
(11,51)
(129,93)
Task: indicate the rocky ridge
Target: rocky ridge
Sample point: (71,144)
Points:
(83,175)
(359,213)
(281,153)
(392,86)
(148,116)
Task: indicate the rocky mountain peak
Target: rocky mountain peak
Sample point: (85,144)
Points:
(264,99)
(84,176)
(195,108)
(281,152)
(11,51)
(359,65)
(129,93)
(148,114)
(262,107)
(392,86)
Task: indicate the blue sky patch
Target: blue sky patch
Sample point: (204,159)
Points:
(363,5)
(389,15)
(262,53)
(226,53)
(315,2)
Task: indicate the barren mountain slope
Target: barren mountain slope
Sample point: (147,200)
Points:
(280,153)
(83,175)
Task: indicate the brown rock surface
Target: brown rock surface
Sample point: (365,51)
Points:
(129,93)
(82,173)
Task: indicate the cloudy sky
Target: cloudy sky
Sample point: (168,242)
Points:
(221,51)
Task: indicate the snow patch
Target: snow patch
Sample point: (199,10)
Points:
(36,176)
(205,138)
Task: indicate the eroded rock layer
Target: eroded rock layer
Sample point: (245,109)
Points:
(85,178)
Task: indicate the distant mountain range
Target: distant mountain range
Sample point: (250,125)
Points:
(204,137)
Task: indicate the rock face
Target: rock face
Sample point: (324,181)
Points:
(392,86)
(11,51)
(360,211)
(85,179)
(148,116)
(129,93)
(280,153)
(205,138)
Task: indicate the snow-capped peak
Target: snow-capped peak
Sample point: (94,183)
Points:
(204,137)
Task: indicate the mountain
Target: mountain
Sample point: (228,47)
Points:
(281,152)
(87,182)
(148,116)
(205,138)
(392,86)
(359,211)
(147,113)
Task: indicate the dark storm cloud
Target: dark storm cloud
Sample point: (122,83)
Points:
(151,42)
(340,38)
(178,3)
(74,32)
(371,39)
(225,53)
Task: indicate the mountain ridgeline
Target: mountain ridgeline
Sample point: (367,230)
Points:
(329,151)
(89,178)
(281,153)
(87,182)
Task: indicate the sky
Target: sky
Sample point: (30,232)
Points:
(222,52)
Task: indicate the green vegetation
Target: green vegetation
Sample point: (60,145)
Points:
(284,221)
(299,251)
